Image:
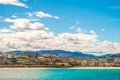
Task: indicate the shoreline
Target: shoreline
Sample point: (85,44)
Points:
(94,68)
(7,68)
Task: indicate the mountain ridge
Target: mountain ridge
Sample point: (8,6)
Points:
(68,54)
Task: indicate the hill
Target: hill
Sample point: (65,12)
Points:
(60,53)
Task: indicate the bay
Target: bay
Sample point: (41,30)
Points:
(60,74)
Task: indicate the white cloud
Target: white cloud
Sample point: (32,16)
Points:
(14,16)
(9,20)
(13,2)
(79,30)
(35,39)
(29,14)
(108,47)
(75,27)
(42,15)
(38,38)
(78,37)
(6,31)
(26,40)
(25,24)
(56,17)
(92,32)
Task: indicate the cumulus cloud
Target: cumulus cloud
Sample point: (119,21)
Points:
(13,2)
(25,24)
(6,31)
(9,20)
(27,40)
(37,39)
(42,15)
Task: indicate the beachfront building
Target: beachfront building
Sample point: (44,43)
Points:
(84,62)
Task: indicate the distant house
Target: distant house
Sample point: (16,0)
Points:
(84,62)
(1,54)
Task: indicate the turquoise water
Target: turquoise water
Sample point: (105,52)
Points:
(60,74)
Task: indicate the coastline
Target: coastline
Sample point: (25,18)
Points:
(94,68)
(7,68)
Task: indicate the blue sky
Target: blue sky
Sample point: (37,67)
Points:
(94,15)
(100,16)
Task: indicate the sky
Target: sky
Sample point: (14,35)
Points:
(73,25)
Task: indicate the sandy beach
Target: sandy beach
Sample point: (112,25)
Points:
(95,68)
(63,68)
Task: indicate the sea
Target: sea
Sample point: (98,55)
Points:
(59,74)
